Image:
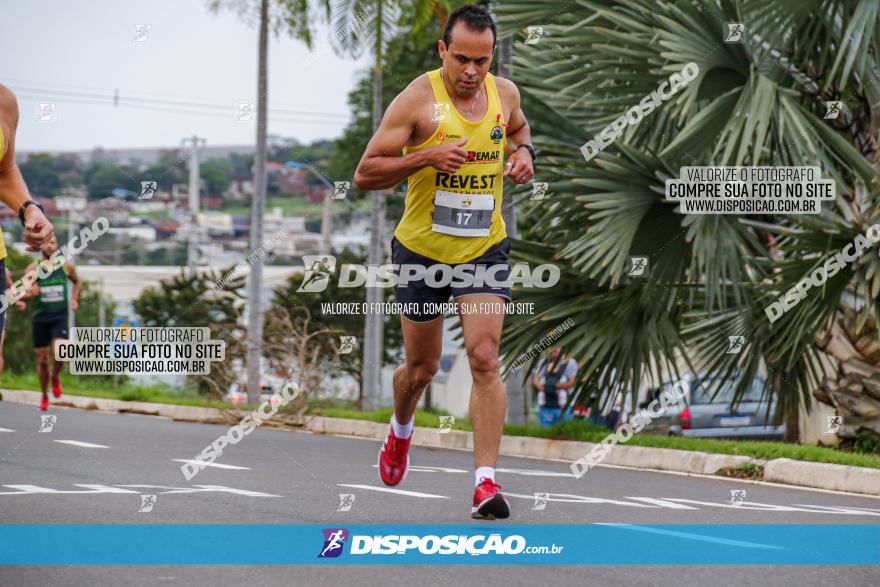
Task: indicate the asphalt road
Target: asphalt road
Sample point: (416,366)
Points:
(94,468)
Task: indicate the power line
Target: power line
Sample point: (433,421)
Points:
(181,106)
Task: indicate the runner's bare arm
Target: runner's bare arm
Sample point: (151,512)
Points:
(518,131)
(77,284)
(519,167)
(13,191)
(31,289)
(382,165)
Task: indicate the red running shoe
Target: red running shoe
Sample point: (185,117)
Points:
(56,388)
(489,503)
(394,459)
(44,403)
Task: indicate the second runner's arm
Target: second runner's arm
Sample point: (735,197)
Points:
(72,276)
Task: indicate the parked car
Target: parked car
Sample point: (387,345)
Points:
(701,415)
(267,394)
(237,394)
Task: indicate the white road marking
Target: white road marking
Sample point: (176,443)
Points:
(663,503)
(716,478)
(569,498)
(691,536)
(82,444)
(32,489)
(217,465)
(205,489)
(769,507)
(96,488)
(427,469)
(534,473)
(6,430)
(841,509)
(398,491)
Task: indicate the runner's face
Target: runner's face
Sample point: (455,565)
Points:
(467,59)
(49,247)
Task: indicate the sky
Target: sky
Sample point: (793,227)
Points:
(76,53)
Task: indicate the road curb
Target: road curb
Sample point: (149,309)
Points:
(824,476)
(834,477)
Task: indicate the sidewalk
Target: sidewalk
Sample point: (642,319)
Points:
(859,480)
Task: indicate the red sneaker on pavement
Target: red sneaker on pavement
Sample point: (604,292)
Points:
(56,388)
(394,459)
(489,503)
(44,403)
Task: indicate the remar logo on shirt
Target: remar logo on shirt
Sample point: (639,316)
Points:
(482,156)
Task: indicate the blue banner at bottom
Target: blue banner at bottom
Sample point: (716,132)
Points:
(371,544)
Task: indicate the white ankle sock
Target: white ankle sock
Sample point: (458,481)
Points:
(487,472)
(402,430)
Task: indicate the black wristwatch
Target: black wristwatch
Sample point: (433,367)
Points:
(530,148)
(24,207)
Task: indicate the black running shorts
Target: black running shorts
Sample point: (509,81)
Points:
(420,296)
(48,327)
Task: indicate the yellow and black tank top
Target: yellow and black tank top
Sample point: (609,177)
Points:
(456,217)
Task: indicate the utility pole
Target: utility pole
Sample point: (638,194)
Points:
(516,384)
(327,212)
(101,311)
(327,222)
(371,372)
(258,209)
(194,143)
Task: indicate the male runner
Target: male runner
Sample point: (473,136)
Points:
(50,314)
(450,125)
(14,193)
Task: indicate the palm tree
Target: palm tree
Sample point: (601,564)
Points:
(291,17)
(757,102)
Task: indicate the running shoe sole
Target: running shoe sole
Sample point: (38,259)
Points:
(493,508)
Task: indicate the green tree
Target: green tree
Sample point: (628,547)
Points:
(214,178)
(46,175)
(182,301)
(40,175)
(102,177)
(759,102)
(170,168)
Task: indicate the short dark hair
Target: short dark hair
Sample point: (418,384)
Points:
(476,17)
